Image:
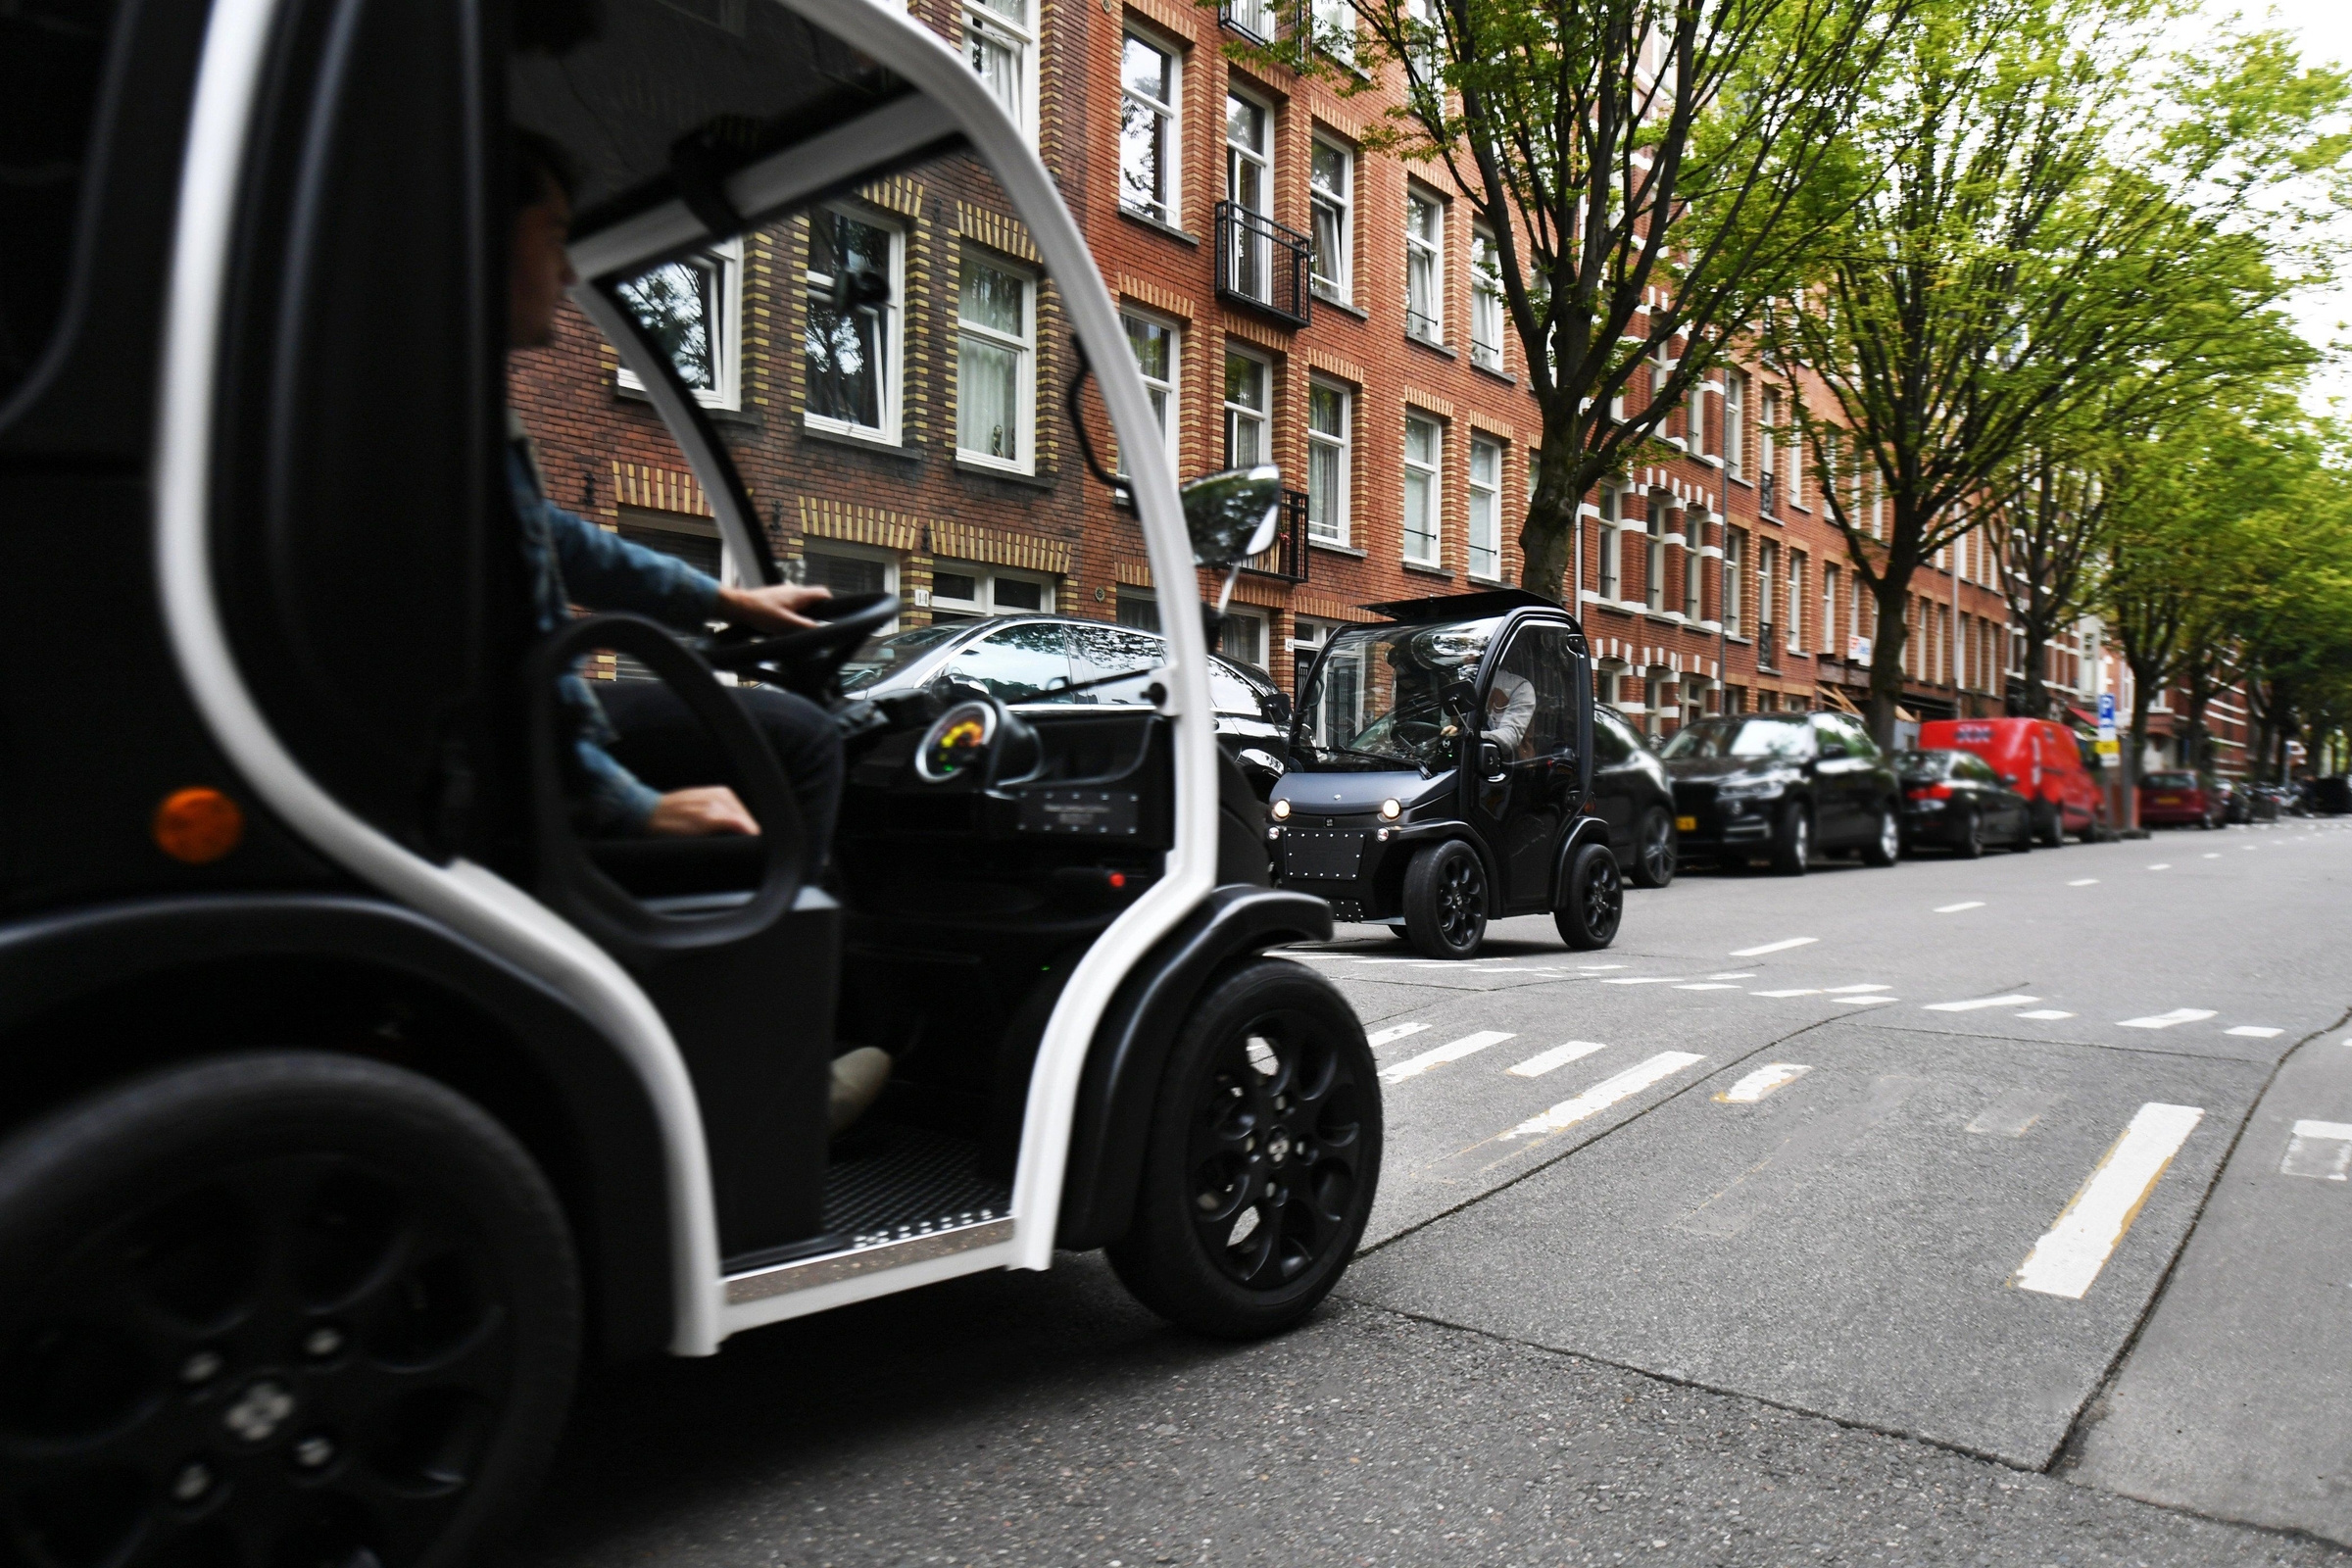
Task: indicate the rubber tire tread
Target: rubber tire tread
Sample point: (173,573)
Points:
(1421,903)
(1967,842)
(1784,861)
(84,1165)
(1874,853)
(1161,1260)
(1569,919)
(1640,874)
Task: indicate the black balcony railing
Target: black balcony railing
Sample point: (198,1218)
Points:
(1260,263)
(1286,556)
(1253,20)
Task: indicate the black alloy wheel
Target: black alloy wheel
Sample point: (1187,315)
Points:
(1446,900)
(1792,841)
(1596,903)
(275,1309)
(1969,841)
(1263,1159)
(1654,851)
(1886,847)
(2051,825)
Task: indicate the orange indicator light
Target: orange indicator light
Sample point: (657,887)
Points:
(198,826)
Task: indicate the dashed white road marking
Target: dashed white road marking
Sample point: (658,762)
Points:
(2212,854)
(1955,909)
(1733,974)
(2254,1031)
(2165,1020)
(1853,990)
(1451,1051)
(2072,1250)
(1396,1031)
(1864,1001)
(1763,1081)
(1976,1004)
(1544,1061)
(2322,1149)
(2045,1016)
(2251,848)
(1710,985)
(2165,865)
(1643,980)
(2084,882)
(1604,1093)
(1599,968)
(1772,946)
(1800,991)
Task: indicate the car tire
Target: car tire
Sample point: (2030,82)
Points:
(1968,841)
(1654,851)
(1792,841)
(1446,900)
(1886,848)
(1263,1156)
(2023,844)
(280,1307)
(2051,828)
(1594,902)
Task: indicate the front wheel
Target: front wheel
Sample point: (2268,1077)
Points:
(275,1308)
(1264,1158)
(1967,842)
(1596,903)
(1792,842)
(1887,846)
(1654,851)
(1446,900)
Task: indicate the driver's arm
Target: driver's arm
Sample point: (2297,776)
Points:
(604,571)
(1508,727)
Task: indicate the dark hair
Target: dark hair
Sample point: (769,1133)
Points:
(538,168)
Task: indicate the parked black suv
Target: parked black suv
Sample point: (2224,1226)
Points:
(1783,785)
(1633,794)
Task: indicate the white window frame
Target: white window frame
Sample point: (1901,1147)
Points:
(856,551)
(1490,496)
(1735,596)
(1263,416)
(1613,545)
(984,581)
(1695,528)
(728,394)
(1829,609)
(1434,473)
(1486,301)
(1431,251)
(1236,153)
(1735,424)
(1171,117)
(1021,36)
(1171,419)
(1343,445)
(1767,447)
(1024,396)
(1653,559)
(1254,618)
(1340,285)
(1795,640)
(1794,489)
(894,334)
(1768,567)
(1335,29)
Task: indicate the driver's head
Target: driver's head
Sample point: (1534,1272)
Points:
(538,271)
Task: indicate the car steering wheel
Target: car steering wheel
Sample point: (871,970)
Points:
(806,661)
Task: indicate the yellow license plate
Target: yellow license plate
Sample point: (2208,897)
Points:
(1685,824)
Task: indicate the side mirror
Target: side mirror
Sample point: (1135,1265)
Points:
(1278,708)
(1234,515)
(1460,698)
(2009,779)
(1489,760)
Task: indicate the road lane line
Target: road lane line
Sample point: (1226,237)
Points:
(1451,1051)
(1778,1174)
(2212,854)
(1850,991)
(1772,946)
(1733,974)
(1392,1033)
(1544,1061)
(2072,1250)
(2254,1031)
(2084,882)
(2010,1115)
(1763,1081)
(1801,991)
(1864,1001)
(1955,909)
(1711,985)
(2320,1150)
(1604,1093)
(2165,1020)
(1599,968)
(2010,1001)
(1644,980)
(2045,1014)
(2163,865)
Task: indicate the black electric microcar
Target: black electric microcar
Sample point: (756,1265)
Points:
(352,1092)
(1441,774)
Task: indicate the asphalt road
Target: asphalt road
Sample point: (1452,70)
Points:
(1962,1212)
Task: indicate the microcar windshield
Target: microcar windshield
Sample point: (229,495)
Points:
(1374,701)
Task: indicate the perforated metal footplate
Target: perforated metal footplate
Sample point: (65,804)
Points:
(914,1182)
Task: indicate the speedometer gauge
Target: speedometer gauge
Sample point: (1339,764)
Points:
(957,742)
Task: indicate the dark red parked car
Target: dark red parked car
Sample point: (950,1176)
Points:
(2178,799)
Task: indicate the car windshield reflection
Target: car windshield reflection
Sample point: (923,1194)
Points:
(1373,702)
(1711,738)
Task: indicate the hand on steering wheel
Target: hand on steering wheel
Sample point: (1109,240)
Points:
(802,657)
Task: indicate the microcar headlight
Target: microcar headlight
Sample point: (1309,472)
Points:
(1391,809)
(1281,812)
(1752,789)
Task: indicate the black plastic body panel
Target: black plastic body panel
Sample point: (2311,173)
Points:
(112,990)
(1582,831)
(1120,1089)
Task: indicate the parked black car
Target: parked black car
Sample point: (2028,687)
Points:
(1028,660)
(1633,795)
(1783,785)
(1955,801)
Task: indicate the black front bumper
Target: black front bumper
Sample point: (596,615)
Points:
(1706,825)
(1355,864)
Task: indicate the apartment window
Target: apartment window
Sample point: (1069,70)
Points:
(1613,545)
(1797,456)
(995,365)
(1138,608)
(1249,185)
(967,589)
(1329,410)
(850,343)
(1425,50)
(1735,590)
(1486,301)
(1424,447)
(1149,156)
(1768,454)
(1485,508)
(1829,610)
(693,310)
(1734,425)
(851,569)
(1796,601)
(1424,267)
(1241,637)
(1654,561)
(1768,568)
(1331,187)
(1248,442)
(1694,539)
(1001,42)
(1154,344)
(1335,28)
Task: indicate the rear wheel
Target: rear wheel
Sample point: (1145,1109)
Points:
(1886,847)
(2023,844)
(1595,899)
(1968,840)
(1792,841)
(2051,825)
(1446,900)
(1264,1158)
(1654,851)
(276,1308)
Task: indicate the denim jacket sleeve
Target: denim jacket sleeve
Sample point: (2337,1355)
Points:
(604,571)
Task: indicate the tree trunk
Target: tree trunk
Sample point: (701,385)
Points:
(1546,539)
(1887,657)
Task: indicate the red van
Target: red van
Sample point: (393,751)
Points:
(2041,756)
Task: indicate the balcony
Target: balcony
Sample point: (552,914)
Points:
(1286,556)
(1253,20)
(1262,264)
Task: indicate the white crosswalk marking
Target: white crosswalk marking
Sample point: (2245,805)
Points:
(1604,1093)
(1978,1002)
(1544,1061)
(2165,1020)
(2045,1014)
(2254,1031)
(1451,1051)
(1733,974)
(1394,1032)
(1763,1081)
(1772,946)
(2322,1149)
(2071,1252)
